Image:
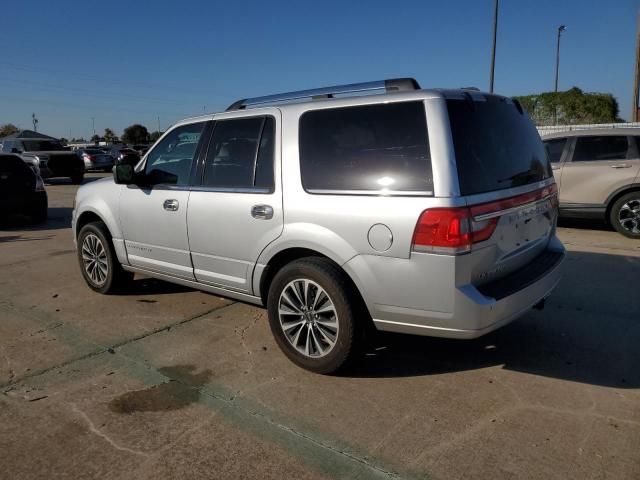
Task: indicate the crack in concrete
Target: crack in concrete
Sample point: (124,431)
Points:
(96,431)
(100,349)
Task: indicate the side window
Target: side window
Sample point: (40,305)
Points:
(171,159)
(555,148)
(605,147)
(241,154)
(381,147)
(7,146)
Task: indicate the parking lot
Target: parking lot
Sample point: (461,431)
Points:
(167,382)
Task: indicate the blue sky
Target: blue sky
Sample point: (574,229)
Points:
(130,62)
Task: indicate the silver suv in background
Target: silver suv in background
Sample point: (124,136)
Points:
(598,173)
(431,212)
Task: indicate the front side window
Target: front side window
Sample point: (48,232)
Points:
(605,147)
(555,148)
(171,160)
(377,148)
(241,153)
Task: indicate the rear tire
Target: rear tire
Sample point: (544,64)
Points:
(98,261)
(625,215)
(313,315)
(40,211)
(77,178)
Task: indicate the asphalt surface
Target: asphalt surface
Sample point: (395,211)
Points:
(167,382)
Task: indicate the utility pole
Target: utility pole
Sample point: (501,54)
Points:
(159,124)
(93,123)
(635,113)
(493,47)
(561,29)
(34,120)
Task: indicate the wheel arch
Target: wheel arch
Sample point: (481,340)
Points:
(634,187)
(288,255)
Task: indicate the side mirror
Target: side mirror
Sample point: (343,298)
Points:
(123,174)
(128,159)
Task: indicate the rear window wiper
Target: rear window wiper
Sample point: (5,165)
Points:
(520,176)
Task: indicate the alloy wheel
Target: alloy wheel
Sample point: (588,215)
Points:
(629,216)
(94,258)
(308,318)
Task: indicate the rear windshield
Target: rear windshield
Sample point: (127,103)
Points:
(94,152)
(496,146)
(368,148)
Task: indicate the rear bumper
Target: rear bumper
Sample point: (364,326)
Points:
(433,305)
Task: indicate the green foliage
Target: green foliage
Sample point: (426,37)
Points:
(109,136)
(95,139)
(571,107)
(64,141)
(135,133)
(154,136)
(8,129)
(78,140)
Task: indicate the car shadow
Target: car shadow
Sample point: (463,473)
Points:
(152,286)
(57,218)
(589,332)
(585,224)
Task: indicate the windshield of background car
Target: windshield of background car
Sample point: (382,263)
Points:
(496,145)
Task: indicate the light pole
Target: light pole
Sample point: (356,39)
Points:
(493,46)
(561,29)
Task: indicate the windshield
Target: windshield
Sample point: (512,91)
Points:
(496,145)
(42,146)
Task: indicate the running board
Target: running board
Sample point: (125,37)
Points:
(221,291)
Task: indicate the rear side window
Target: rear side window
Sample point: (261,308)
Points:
(555,148)
(366,148)
(605,147)
(496,145)
(241,154)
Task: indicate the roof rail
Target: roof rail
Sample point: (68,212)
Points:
(391,85)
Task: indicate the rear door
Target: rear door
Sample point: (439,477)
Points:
(235,210)
(598,166)
(557,151)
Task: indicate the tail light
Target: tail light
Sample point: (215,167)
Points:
(455,230)
(450,230)
(39,184)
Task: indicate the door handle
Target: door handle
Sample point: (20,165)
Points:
(171,205)
(621,165)
(262,212)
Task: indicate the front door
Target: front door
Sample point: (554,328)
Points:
(236,210)
(154,213)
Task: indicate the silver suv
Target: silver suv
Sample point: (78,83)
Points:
(430,212)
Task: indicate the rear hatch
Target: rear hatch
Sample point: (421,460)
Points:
(506,180)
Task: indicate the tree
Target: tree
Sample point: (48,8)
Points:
(8,129)
(64,141)
(154,136)
(135,133)
(95,139)
(109,136)
(571,107)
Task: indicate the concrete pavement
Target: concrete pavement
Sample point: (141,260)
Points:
(166,382)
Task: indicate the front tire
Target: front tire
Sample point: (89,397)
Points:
(625,215)
(98,262)
(313,315)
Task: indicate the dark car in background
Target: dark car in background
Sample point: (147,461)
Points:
(95,159)
(141,149)
(47,157)
(21,189)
